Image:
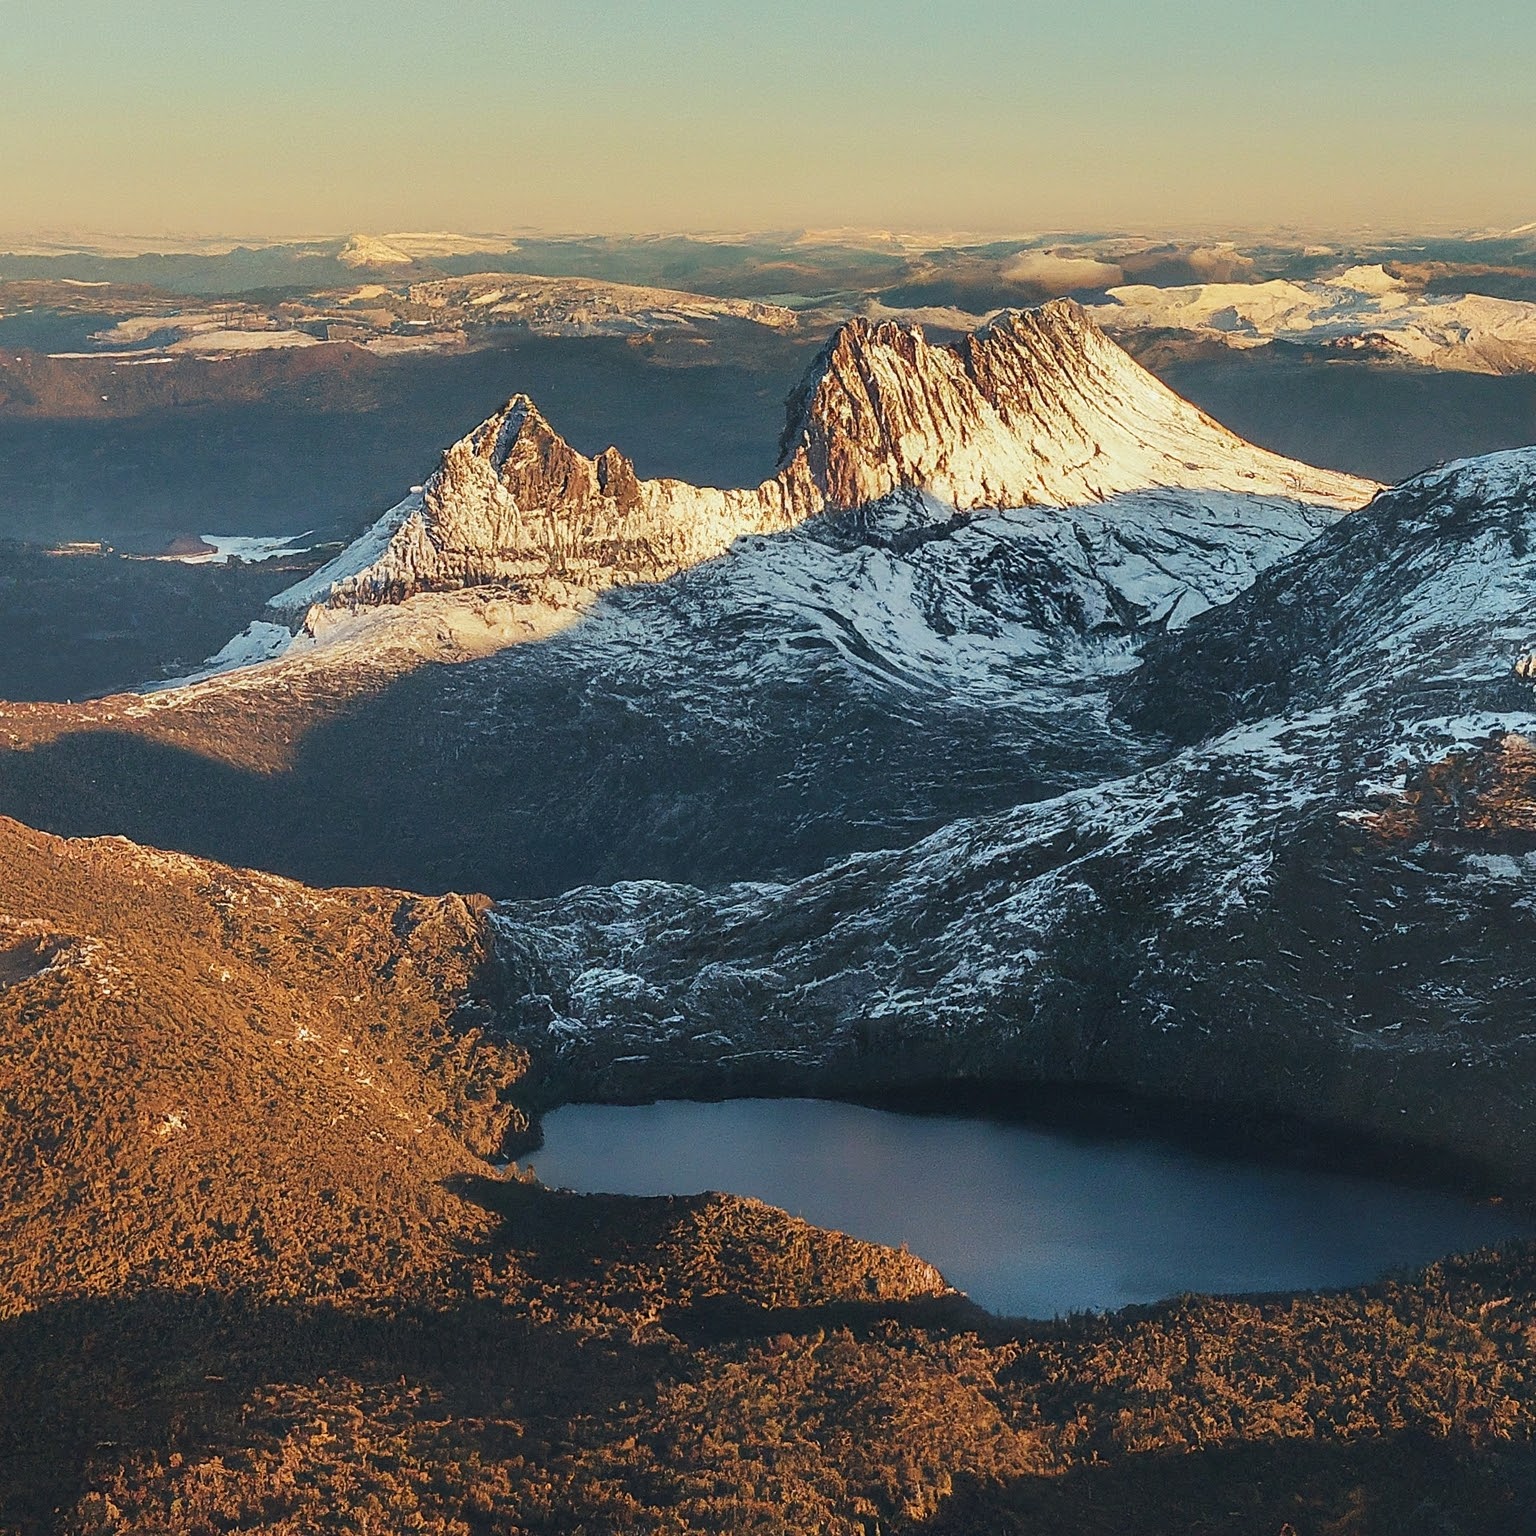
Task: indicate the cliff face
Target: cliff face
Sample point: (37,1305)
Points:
(1038,409)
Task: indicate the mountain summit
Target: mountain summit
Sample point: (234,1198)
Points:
(942,556)
(1038,409)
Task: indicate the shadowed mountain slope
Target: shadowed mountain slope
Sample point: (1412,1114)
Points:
(836,680)
(1321,906)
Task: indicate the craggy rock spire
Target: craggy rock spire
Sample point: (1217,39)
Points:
(1037,408)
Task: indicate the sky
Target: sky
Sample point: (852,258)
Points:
(274,117)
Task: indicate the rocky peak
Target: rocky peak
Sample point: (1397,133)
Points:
(515,466)
(1038,408)
(533,462)
(877,412)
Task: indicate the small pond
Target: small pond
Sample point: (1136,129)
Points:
(1028,1222)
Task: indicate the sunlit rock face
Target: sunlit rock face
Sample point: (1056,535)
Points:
(1038,409)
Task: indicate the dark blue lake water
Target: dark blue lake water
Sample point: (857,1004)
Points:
(1028,1222)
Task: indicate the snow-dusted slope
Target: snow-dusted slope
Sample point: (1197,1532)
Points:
(1424,599)
(1326,906)
(837,680)
(583,306)
(851,683)
(1038,409)
(1363,308)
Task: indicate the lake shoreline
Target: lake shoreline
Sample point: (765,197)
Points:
(1029,1221)
(1270,1138)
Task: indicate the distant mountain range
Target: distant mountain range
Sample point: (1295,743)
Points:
(1364,312)
(1455,302)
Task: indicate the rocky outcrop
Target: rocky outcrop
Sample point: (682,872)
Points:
(1038,409)
(513,502)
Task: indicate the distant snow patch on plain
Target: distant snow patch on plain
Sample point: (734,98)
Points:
(194,331)
(243,341)
(1061,273)
(1364,305)
(247,547)
(368,251)
(259,641)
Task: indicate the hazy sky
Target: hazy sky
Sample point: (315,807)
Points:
(275,116)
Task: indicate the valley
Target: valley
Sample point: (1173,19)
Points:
(767,771)
(1023,732)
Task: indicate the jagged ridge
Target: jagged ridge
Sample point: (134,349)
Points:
(1040,408)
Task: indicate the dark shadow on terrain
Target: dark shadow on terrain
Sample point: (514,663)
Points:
(548,766)
(1101,1112)
(75,626)
(93,1383)
(1408,1484)
(374,800)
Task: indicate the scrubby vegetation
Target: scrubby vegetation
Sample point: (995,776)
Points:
(257,1274)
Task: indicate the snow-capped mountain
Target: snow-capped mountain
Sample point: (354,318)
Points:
(1038,409)
(1323,905)
(372,252)
(702,702)
(1184,784)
